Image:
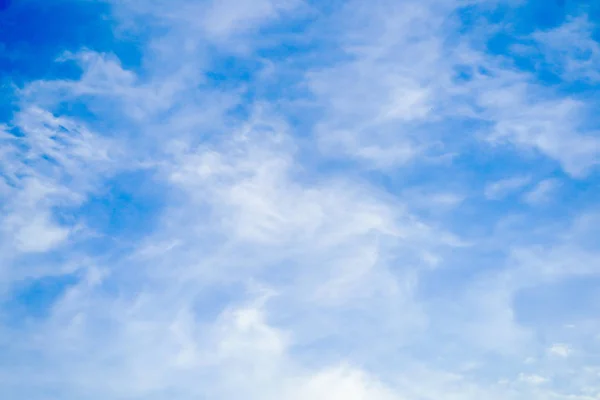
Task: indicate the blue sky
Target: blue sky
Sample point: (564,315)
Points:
(298,199)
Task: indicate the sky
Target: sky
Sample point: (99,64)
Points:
(299,199)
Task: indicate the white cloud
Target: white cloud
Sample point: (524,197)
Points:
(571,50)
(542,192)
(48,162)
(387,107)
(341,383)
(377,100)
(532,379)
(546,125)
(225,18)
(242,212)
(559,349)
(504,187)
(192,25)
(347,299)
(37,235)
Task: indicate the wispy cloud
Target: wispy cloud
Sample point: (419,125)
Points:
(571,49)
(560,349)
(542,192)
(504,187)
(313,185)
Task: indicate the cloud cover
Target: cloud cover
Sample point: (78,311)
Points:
(300,200)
